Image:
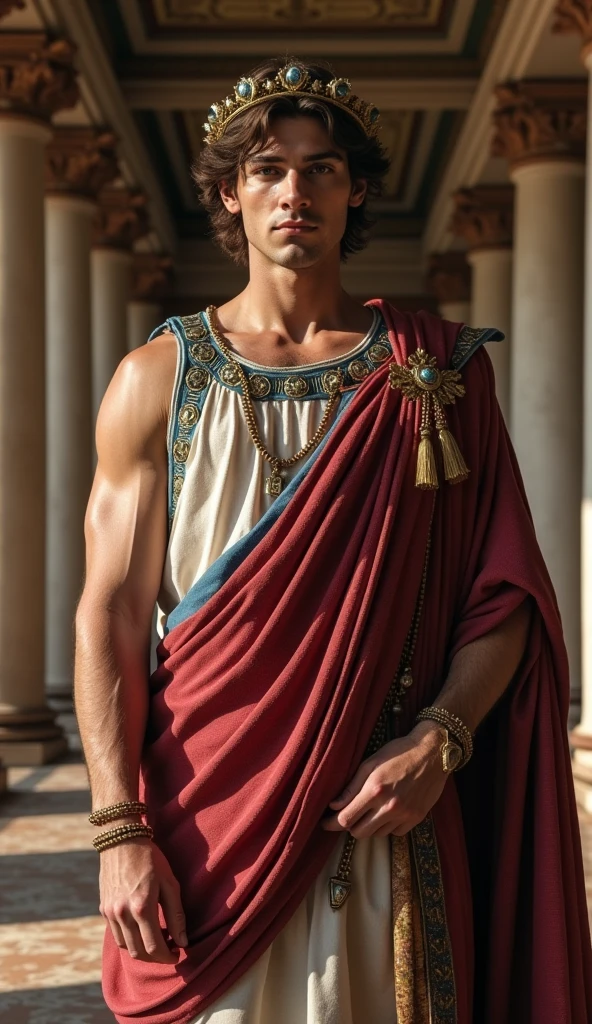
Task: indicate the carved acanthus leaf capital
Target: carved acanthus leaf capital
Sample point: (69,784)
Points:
(7,6)
(152,276)
(449,277)
(483,216)
(80,161)
(574,16)
(37,75)
(540,120)
(121,218)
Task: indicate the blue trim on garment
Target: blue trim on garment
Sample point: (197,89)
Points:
(469,340)
(222,569)
(286,383)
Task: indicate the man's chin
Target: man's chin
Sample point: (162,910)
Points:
(297,256)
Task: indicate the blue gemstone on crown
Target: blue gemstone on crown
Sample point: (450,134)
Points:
(212,114)
(342,89)
(374,115)
(293,75)
(244,89)
(428,375)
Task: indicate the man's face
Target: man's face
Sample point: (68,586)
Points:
(294,195)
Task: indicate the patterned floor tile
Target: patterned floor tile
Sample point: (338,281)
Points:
(45,833)
(68,1004)
(50,953)
(48,886)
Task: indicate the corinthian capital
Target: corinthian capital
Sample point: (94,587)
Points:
(449,277)
(80,161)
(574,16)
(37,75)
(483,216)
(6,6)
(540,120)
(122,218)
(152,276)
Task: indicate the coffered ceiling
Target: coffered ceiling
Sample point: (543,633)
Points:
(419,60)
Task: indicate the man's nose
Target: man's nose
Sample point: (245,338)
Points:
(294,190)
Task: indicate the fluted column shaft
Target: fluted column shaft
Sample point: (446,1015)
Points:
(111,289)
(142,318)
(491,306)
(69,424)
(546,405)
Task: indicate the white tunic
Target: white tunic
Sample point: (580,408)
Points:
(326,966)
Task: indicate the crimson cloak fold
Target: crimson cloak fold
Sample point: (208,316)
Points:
(269,684)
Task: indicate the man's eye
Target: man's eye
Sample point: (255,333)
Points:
(321,167)
(262,170)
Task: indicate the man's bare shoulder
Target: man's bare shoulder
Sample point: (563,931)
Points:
(134,411)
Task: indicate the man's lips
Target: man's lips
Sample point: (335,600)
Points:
(296,226)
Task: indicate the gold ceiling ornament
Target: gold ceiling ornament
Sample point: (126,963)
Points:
(291,80)
(421,381)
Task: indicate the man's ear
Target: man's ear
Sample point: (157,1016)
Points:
(229,197)
(358,192)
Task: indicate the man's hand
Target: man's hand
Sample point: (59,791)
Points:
(135,877)
(395,788)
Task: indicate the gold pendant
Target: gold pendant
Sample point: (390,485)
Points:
(339,890)
(273,484)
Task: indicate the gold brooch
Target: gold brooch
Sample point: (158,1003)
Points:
(422,381)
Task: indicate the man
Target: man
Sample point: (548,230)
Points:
(277,475)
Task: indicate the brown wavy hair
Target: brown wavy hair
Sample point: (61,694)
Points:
(246,135)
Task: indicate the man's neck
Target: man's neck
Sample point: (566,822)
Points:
(296,305)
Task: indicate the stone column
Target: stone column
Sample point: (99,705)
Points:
(151,278)
(37,79)
(576,16)
(483,219)
(540,127)
(79,162)
(122,219)
(449,281)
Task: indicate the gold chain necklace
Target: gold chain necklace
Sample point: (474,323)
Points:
(274,483)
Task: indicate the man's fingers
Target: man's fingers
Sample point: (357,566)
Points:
(170,899)
(353,787)
(152,937)
(117,933)
(131,934)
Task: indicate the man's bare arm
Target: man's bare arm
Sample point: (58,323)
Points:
(393,790)
(126,536)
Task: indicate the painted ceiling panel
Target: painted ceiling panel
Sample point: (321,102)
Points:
(384,41)
(299,15)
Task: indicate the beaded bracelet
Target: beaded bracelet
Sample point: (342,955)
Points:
(114,811)
(114,836)
(454,725)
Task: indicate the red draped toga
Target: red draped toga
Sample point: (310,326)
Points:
(265,697)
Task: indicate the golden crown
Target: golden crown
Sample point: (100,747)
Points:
(291,80)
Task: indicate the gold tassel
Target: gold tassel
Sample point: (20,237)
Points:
(455,467)
(426,476)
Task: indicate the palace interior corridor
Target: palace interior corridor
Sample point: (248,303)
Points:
(486,220)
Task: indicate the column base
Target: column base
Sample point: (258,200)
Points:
(63,706)
(33,752)
(582,768)
(30,737)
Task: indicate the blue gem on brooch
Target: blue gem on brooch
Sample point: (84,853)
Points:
(429,375)
(293,75)
(244,89)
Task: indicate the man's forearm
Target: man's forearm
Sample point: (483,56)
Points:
(482,670)
(111,698)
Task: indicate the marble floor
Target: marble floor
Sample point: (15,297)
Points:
(50,931)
